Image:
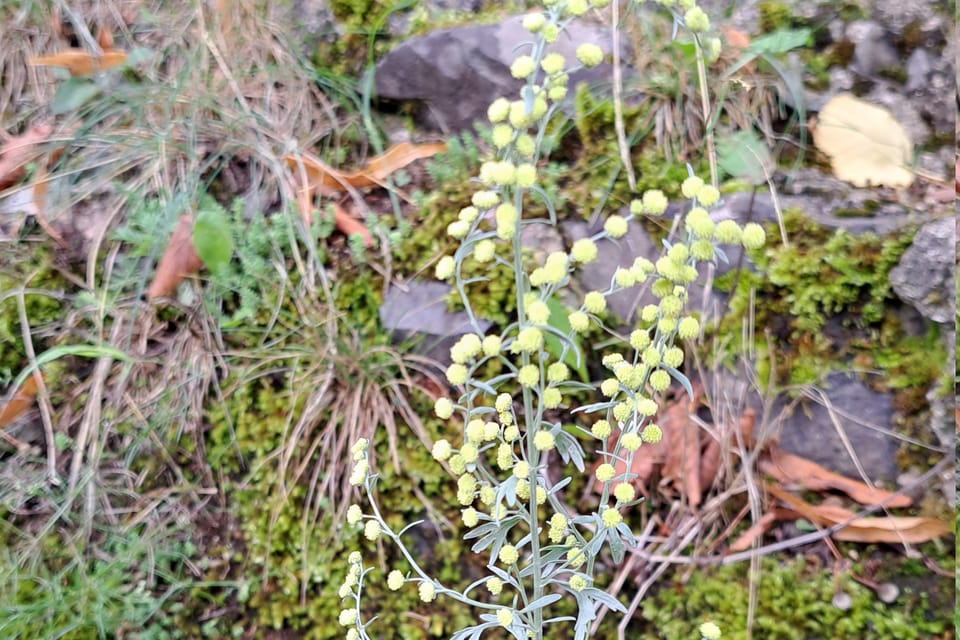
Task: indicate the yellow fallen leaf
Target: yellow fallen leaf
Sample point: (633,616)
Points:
(865,143)
(81,63)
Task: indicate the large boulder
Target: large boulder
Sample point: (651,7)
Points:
(456,73)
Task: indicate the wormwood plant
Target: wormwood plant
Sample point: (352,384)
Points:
(539,549)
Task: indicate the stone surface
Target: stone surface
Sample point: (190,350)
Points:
(924,277)
(456,73)
(812,428)
(418,310)
(597,275)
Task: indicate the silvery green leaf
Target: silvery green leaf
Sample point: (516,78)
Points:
(409,526)
(605,598)
(617,549)
(679,377)
(473,633)
(569,449)
(560,485)
(627,535)
(720,253)
(547,202)
(542,602)
(596,406)
(586,613)
(480,384)
(559,619)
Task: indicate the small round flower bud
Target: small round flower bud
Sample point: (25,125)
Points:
(636,207)
(753,236)
(600,429)
(504,617)
(354,514)
(494,585)
(458,229)
(521,470)
(470,517)
(610,360)
(445,268)
(512,432)
(502,135)
(519,118)
(506,216)
(709,195)
(353,634)
(710,631)
(558,372)
(696,20)
(428,592)
(659,380)
(371,530)
(474,431)
(615,226)
(533,22)
(702,250)
(359,473)
(529,375)
(589,54)
(576,7)
(666,325)
(610,387)
(605,472)
(599,4)
(649,313)
(485,199)
(503,402)
(498,110)
(728,232)
(688,328)
(654,202)
(469,453)
(552,63)
(550,33)
(579,321)
(457,374)
(671,306)
(557,93)
(624,492)
(457,465)
(611,517)
(552,398)
(624,277)
(652,434)
(631,441)
(639,339)
(544,441)
(490,431)
(394,580)
(443,408)
(348,617)
(529,339)
(538,312)
(525,147)
(577,583)
(441,450)
(491,345)
(646,407)
(525,175)
(508,554)
(584,251)
(673,357)
(594,302)
(522,67)
(699,223)
(622,410)
(651,356)
(487,495)
(484,251)
(691,187)
(678,254)
(504,456)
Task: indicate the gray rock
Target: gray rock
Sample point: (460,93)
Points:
(458,72)
(924,277)
(419,310)
(597,275)
(812,428)
(919,65)
(873,48)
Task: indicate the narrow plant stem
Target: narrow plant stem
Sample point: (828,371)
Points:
(529,420)
(705,105)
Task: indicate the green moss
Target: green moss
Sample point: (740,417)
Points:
(27,267)
(793,603)
(826,300)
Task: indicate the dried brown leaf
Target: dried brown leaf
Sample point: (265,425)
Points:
(179,261)
(81,63)
(18,151)
(790,469)
(19,403)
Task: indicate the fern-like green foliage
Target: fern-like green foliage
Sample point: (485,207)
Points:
(460,161)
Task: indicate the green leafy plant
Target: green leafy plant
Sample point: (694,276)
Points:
(538,550)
